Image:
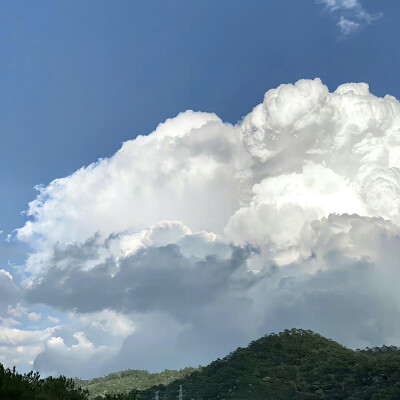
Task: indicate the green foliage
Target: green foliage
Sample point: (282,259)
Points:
(14,386)
(294,364)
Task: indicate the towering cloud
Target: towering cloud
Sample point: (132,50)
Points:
(204,235)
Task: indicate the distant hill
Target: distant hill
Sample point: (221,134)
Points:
(125,381)
(294,364)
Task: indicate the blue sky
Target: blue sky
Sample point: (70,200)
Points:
(79,78)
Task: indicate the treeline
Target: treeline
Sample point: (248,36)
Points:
(14,386)
(294,364)
(123,385)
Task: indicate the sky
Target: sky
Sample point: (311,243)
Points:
(179,178)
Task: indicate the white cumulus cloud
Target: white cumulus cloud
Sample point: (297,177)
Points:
(204,235)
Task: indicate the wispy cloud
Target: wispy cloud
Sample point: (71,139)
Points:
(352,16)
(347,26)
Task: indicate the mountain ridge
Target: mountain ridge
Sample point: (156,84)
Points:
(294,364)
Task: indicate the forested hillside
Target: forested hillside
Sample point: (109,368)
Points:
(294,364)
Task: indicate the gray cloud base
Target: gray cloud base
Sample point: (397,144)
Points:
(152,280)
(194,310)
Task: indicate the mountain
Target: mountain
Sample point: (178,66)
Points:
(294,364)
